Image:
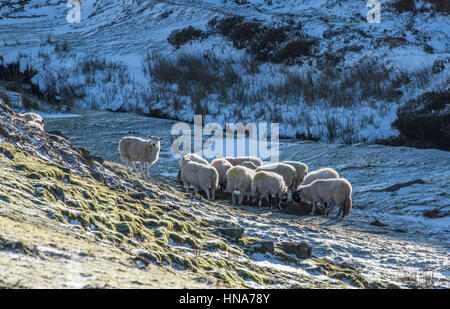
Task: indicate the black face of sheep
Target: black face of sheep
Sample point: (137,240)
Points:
(296,196)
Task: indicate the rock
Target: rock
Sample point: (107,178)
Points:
(434,213)
(139,195)
(268,246)
(233,232)
(376,222)
(301,250)
(58,193)
(33,176)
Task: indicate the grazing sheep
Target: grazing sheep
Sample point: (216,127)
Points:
(265,183)
(222,166)
(134,149)
(190,157)
(200,176)
(239,180)
(302,171)
(323,173)
(239,160)
(285,170)
(34,120)
(333,191)
(249,165)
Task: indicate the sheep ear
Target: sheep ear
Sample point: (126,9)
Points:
(160,138)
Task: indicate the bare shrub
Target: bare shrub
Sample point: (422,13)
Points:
(426,119)
(182,36)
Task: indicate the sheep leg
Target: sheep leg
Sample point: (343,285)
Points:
(195,190)
(142,169)
(326,205)
(134,166)
(260,202)
(339,213)
(313,209)
(148,171)
(208,195)
(233,198)
(279,203)
(213,194)
(241,197)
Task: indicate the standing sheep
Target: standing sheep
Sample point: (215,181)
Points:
(302,171)
(134,149)
(239,182)
(190,157)
(333,191)
(323,173)
(268,183)
(200,176)
(239,160)
(222,166)
(285,170)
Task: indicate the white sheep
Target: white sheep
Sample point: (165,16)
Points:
(34,120)
(239,160)
(192,157)
(323,173)
(222,166)
(249,165)
(285,170)
(200,176)
(332,191)
(134,149)
(302,171)
(268,183)
(239,182)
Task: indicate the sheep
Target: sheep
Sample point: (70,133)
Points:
(191,157)
(34,120)
(222,166)
(285,170)
(302,171)
(333,191)
(134,149)
(239,179)
(239,160)
(265,183)
(249,164)
(200,176)
(323,173)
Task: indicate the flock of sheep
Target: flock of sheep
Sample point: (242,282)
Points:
(247,177)
(243,177)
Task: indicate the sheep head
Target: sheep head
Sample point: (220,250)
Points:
(154,140)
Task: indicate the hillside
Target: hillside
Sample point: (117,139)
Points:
(316,67)
(70,219)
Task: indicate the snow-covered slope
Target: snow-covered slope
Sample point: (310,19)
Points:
(385,64)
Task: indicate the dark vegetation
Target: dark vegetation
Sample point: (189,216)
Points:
(182,36)
(441,6)
(426,120)
(277,44)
